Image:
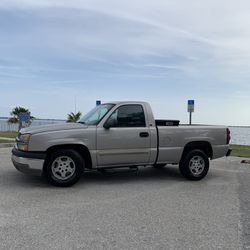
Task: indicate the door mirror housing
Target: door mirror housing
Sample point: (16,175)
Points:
(106,125)
(109,124)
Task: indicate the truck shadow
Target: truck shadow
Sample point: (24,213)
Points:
(116,177)
(143,174)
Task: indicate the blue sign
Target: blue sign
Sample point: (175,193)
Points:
(190,102)
(190,105)
(24,117)
(98,103)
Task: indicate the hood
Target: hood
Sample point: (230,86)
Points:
(52,127)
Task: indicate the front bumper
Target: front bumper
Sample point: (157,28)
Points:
(28,162)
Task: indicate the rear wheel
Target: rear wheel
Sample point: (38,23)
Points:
(195,165)
(64,167)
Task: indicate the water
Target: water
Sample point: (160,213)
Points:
(5,126)
(239,135)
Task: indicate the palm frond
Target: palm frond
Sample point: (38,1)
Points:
(74,117)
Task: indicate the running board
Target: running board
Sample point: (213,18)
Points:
(118,170)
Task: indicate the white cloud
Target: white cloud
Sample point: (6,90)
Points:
(204,45)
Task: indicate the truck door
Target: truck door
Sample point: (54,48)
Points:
(126,138)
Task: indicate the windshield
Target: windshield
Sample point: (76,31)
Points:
(96,114)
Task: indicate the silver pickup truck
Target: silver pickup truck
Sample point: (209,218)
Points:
(115,135)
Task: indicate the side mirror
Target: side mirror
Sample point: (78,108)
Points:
(109,123)
(106,125)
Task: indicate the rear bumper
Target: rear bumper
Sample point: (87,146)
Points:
(28,162)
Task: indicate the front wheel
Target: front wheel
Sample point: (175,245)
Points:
(64,167)
(195,165)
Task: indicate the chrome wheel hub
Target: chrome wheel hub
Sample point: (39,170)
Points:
(196,165)
(63,168)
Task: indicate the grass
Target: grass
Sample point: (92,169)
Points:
(8,134)
(6,141)
(240,150)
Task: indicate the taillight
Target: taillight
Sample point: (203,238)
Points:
(228,136)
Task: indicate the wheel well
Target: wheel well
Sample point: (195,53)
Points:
(201,145)
(81,149)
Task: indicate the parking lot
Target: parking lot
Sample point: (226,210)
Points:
(151,209)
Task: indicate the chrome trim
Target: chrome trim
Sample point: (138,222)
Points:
(28,166)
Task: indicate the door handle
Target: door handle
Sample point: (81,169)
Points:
(144,134)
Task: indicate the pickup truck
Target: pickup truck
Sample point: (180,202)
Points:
(115,135)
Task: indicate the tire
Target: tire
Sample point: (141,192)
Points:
(195,165)
(64,167)
(159,166)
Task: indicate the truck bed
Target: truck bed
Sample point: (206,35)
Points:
(173,138)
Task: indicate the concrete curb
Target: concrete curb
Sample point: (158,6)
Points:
(6,145)
(7,139)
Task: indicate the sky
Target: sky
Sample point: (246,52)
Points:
(58,57)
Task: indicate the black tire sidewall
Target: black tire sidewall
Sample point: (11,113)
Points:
(79,164)
(184,165)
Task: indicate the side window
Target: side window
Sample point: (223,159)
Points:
(128,116)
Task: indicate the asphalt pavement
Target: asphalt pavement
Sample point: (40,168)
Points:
(151,209)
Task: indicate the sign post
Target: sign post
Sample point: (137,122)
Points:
(190,110)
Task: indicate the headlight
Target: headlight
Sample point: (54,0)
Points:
(25,138)
(23,142)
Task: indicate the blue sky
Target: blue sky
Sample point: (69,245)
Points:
(164,52)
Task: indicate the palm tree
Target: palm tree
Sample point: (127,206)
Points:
(74,117)
(15,115)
